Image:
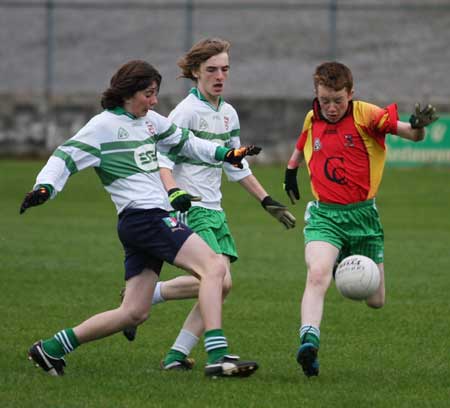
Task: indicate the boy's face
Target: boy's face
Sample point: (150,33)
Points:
(211,76)
(333,104)
(142,101)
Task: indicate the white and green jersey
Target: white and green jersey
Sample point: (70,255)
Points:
(221,125)
(122,149)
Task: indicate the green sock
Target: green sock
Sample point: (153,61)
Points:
(174,355)
(310,334)
(311,338)
(216,345)
(61,343)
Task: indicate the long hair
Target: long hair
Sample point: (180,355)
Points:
(130,78)
(199,53)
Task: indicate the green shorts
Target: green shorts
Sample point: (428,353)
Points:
(212,226)
(353,228)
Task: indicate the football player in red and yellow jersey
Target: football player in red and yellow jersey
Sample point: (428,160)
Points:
(343,146)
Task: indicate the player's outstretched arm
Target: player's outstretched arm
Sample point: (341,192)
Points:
(36,197)
(235,156)
(414,130)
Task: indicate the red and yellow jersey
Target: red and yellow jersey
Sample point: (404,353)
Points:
(345,160)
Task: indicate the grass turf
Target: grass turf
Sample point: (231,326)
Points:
(62,262)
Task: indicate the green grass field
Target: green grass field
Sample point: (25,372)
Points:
(62,262)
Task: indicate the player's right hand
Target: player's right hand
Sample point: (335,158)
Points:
(180,200)
(290,184)
(235,156)
(34,198)
(279,211)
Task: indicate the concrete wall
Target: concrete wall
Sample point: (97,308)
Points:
(397,50)
(273,123)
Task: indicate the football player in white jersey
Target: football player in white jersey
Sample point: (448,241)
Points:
(121,144)
(208,116)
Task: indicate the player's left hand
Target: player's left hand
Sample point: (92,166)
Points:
(290,184)
(423,117)
(34,198)
(279,211)
(235,156)
(180,200)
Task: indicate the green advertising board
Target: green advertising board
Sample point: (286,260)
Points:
(433,150)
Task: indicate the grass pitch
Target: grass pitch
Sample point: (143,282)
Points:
(62,262)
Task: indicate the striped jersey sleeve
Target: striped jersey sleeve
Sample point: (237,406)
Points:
(78,153)
(181,141)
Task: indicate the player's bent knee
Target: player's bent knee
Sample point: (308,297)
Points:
(136,317)
(227,285)
(214,268)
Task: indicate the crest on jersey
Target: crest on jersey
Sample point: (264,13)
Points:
(122,133)
(317,144)
(151,128)
(203,125)
(226,122)
(349,141)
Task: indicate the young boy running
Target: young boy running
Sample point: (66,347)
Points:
(121,144)
(208,116)
(343,146)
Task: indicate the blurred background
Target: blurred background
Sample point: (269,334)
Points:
(57,57)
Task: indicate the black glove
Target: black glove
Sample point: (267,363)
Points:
(290,184)
(180,200)
(235,156)
(421,118)
(35,197)
(279,211)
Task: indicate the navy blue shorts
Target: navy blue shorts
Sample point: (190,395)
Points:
(150,237)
